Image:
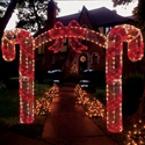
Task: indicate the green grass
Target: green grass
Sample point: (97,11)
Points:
(9,103)
(40,89)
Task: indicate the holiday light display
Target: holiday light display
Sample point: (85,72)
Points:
(27,46)
(43,104)
(116,37)
(75,33)
(136,136)
(26,69)
(92,107)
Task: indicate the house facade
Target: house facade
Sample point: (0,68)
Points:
(100,20)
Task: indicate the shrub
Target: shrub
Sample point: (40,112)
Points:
(133,87)
(101,95)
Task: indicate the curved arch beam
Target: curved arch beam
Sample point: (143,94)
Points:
(72,31)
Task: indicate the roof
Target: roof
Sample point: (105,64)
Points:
(98,17)
(93,18)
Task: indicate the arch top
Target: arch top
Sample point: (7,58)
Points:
(73,30)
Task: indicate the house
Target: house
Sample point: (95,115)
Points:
(101,20)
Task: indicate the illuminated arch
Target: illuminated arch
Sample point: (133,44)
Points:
(74,32)
(27,61)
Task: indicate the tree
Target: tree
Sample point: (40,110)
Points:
(3,7)
(138,11)
(139,14)
(52,11)
(6,15)
(35,14)
(121,2)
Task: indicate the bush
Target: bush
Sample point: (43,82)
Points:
(9,106)
(101,95)
(40,89)
(133,87)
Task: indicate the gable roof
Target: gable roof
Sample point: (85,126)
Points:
(93,18)
(98,17)
(106,17)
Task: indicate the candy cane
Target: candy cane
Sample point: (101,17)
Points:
(116,37)
(26,69)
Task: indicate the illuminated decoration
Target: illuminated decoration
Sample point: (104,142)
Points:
(136,136)
(26,69)
(27,61)
(83,59)
(92,107)
(43,105)
(74,68)
(116,37)
(73,32)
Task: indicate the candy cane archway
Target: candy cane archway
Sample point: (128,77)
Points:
(74,32)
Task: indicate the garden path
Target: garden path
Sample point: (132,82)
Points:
(68,124)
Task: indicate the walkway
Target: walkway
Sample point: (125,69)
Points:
(68,124)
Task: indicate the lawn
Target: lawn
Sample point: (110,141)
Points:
(9,103)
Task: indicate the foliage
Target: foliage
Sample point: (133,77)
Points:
(3,7)
(139,14)
(9,102)
(138,11)
(100,94)
(121,2)
(133,87)
(43,104)
(7,14)
(40,89)
(136,134)
(34,14)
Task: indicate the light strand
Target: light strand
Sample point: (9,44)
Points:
(92,106)
(114,65)
(43,105)
(26,68)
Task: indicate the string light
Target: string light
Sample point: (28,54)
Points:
(74,32)
(92,107)
(26,69)
(43,105)
(136,135)
(115,38)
